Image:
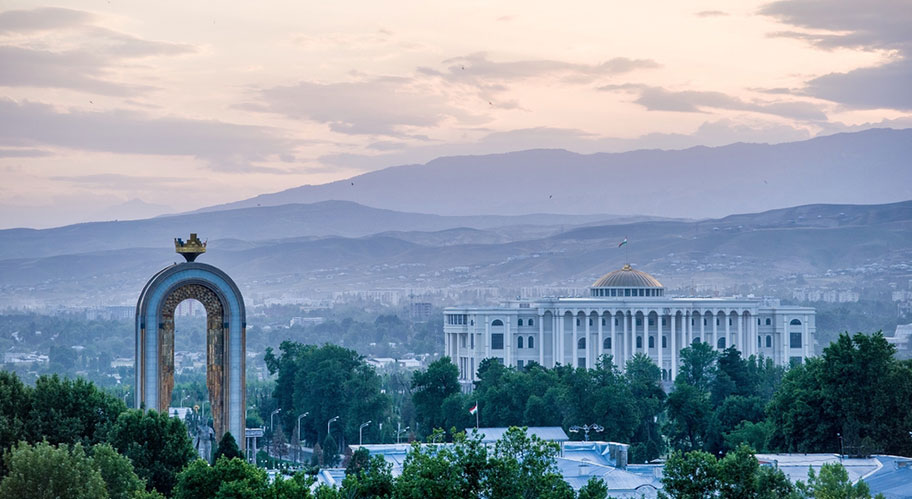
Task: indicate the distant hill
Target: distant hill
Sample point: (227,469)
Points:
(866,244)
(327,218)
(863,167)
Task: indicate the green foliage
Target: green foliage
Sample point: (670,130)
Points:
(228,447)
(369,478)
(833,483)
(524,466)
(44,471)
(738,475)
(595,488)
(330,452)
(326,381)
(117,472)
(857,389)
(430,388)
(235,478)
(158,446)
(69,411)
(432,471)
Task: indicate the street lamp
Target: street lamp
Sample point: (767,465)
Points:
(363,425)
(185,397)
(329,423)
(272,418)
(586,428)
(272,435)
(298,443)
(400,432)
(841,447)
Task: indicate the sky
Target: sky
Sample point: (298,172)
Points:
(114,109)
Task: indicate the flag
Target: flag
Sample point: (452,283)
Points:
(622,242)
(474,408)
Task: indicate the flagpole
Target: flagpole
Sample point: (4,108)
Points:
(476,414)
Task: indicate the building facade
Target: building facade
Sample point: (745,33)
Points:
(626,313)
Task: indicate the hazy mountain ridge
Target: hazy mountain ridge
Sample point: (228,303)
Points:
(748,249)
(711,181)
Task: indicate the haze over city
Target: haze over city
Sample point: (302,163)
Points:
(114,110)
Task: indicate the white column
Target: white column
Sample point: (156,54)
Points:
(806,337)
(728,338)
(614,346)
(626,341)
(575,338)
(687,328)
(508,342)
(588,342)
(703,326)
(487,345)
(674,346)
(659,340)
(741,344)
(560,339)
(541,339)
(715,319)
(785,338)
(600,348)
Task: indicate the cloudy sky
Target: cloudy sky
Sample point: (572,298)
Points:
(110,106)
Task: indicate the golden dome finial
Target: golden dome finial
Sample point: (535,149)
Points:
(191,248)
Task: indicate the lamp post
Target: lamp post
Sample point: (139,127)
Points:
(586,428)
(841,447)
(271,433)
(363,425)
(400,432)
(184,398)
(298,443)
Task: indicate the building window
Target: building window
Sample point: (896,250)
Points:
(577,322)
(519,342)
(729,321)
(639,322)
(651,322)
(758,321)
(530,322)
(581,344)
(615,322)
(581,362)
(691,322)
(497,322)
(664,342)
(795,340)
(472,341)
(769,341)
(497,341)
(606,344)
(613,292)
(768,322)
(519,364)
(721,343)
(696,340)
(663,321)
(639,342)
(590,321)
(519,322)
(531,342)
(652,343)
(626,292)
(795,322)
(603,322)
(704,321)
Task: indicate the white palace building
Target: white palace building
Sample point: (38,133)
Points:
(626,313)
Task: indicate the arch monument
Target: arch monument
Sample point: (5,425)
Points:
(226,338)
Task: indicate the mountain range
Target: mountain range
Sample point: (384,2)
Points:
(700,182)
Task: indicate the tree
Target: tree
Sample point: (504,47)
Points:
(694,475)
(117,472)
(432,471)
(158,446)
(44,471)
(15,404)
(368,477)
(595,488)
(70,411)
(330,451)
(233,478)
(326,381)
(228,447)
(430,389)
(645,379)
(524,466)
(833,483)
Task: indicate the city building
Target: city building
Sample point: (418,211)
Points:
(627,312)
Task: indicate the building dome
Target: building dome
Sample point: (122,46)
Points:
(629,282)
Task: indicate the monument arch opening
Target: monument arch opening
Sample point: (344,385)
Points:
(225,337)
